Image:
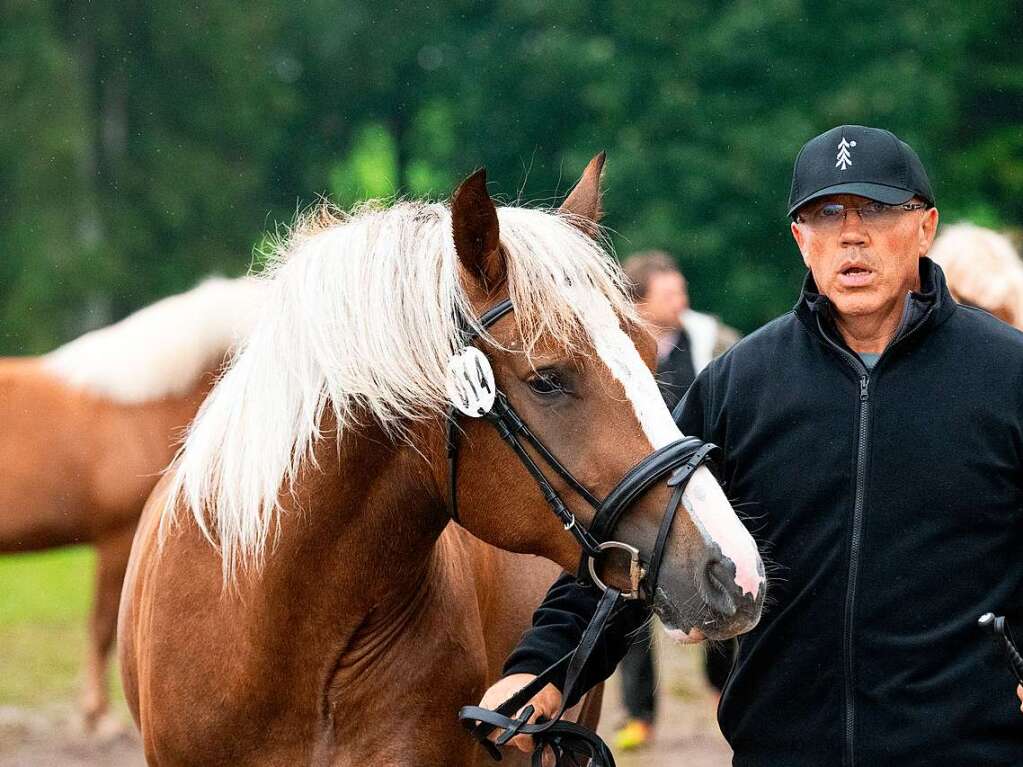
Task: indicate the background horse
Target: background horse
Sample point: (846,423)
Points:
(88,428)
(982,269)
(338,618)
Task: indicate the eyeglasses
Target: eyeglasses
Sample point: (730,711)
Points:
(874,214)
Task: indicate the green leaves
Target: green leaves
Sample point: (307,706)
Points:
(369,170)
(145,145)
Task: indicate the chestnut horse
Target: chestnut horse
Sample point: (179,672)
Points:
(88,428)
(297,594)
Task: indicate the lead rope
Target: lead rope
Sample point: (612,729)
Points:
(567,741)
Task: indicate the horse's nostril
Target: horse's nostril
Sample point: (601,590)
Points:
(719,586)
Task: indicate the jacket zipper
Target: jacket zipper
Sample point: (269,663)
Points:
(858,504)
(854,545)
(854,559)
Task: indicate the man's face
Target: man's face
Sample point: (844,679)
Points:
(864,268)
(665,300)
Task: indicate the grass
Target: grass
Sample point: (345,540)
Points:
(44,605)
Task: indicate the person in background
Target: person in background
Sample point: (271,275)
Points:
(686,341)
(983,269)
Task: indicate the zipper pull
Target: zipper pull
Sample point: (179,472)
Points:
(863,388)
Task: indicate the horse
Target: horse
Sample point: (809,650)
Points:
(88,428)
(298,592)
(983,269)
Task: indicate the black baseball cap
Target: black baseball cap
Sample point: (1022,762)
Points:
(853,159)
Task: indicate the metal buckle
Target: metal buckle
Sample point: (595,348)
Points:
(636,571)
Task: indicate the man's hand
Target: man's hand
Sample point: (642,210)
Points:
(1019,694)
(546,702)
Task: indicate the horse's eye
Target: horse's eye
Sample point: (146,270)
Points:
(546,382)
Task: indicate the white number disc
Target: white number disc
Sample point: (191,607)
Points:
(471,386)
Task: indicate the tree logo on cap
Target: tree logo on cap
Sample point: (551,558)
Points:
(843,156)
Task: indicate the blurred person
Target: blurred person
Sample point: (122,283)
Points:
(876,426)
(686,341)
(983,269)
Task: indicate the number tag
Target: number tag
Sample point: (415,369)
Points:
(470,384)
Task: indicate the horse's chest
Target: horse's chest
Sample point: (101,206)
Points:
(396,687)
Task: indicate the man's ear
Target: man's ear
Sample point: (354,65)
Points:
(477,234)
(797,235)
(928,228)
(585,202)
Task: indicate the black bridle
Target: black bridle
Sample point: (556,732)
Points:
(678,460)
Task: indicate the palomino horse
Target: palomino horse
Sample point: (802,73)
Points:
(88,428)
(982,269)
(296,593)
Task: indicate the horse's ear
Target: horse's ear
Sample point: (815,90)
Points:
(475,228)
(584,201)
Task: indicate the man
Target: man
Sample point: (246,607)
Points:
(877,431)
(686,342)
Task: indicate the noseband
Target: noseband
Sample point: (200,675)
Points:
(678,461)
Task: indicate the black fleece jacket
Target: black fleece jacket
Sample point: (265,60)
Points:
(889,505)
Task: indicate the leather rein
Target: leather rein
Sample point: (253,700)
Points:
(677,460)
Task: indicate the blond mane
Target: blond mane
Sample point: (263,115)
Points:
(361,316)
(163,349)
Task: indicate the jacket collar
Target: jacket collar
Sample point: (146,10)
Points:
(932,304)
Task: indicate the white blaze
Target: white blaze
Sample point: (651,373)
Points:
(710,509)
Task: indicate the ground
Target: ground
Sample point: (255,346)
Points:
(686,731)
(43,607)
(52,738)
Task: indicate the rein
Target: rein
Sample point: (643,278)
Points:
(475,394)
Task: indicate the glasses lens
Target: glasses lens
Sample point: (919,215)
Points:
(875,211)
(827,216)
(832,214)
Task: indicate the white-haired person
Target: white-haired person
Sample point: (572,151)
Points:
(983,269)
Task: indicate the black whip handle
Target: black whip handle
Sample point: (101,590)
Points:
(999,628)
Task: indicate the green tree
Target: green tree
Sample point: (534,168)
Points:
(148,144)
(139,159)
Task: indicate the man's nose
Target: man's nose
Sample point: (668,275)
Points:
(853,230)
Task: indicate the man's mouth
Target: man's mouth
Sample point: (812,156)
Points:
(855,275)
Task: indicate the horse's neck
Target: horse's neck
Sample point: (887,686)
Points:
(359,532)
